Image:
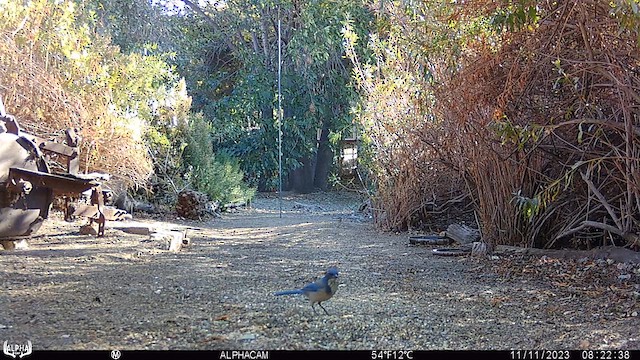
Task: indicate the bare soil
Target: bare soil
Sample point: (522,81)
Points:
(124,291)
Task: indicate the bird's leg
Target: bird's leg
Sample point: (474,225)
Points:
(325,310)
(314,309)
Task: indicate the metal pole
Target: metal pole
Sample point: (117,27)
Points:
(279,113)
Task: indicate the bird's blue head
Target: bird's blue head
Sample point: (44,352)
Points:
(332,272)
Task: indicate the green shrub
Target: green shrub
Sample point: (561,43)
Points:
(219,176)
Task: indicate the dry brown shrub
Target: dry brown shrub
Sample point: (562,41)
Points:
(33,92)
(574,81)
(419,180)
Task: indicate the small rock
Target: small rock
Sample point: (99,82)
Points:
(584,344)
(624,277)
(14,245)
(21,244)
(624,266)
(247,337)
(88,230)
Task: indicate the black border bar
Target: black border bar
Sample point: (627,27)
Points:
(335,354)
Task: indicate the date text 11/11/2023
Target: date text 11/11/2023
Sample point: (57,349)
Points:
(568,355)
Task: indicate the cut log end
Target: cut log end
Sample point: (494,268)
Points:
(463,234)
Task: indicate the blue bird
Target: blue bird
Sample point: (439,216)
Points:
(318,291)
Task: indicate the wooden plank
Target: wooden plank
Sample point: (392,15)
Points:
(57,148)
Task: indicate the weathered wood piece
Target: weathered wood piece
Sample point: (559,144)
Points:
(172,239)
(463,234)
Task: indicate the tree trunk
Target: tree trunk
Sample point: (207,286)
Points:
(301,179)
(324,159)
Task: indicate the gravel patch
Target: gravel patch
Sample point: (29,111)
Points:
(71,291)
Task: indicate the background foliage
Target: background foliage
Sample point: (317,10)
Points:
(234,71)
(62,69)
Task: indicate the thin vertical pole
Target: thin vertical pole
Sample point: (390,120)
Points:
(279,113)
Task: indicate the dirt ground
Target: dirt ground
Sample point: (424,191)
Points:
(124,291)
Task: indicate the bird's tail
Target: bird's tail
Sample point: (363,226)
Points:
(288,292)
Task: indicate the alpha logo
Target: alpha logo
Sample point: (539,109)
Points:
(17,350)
